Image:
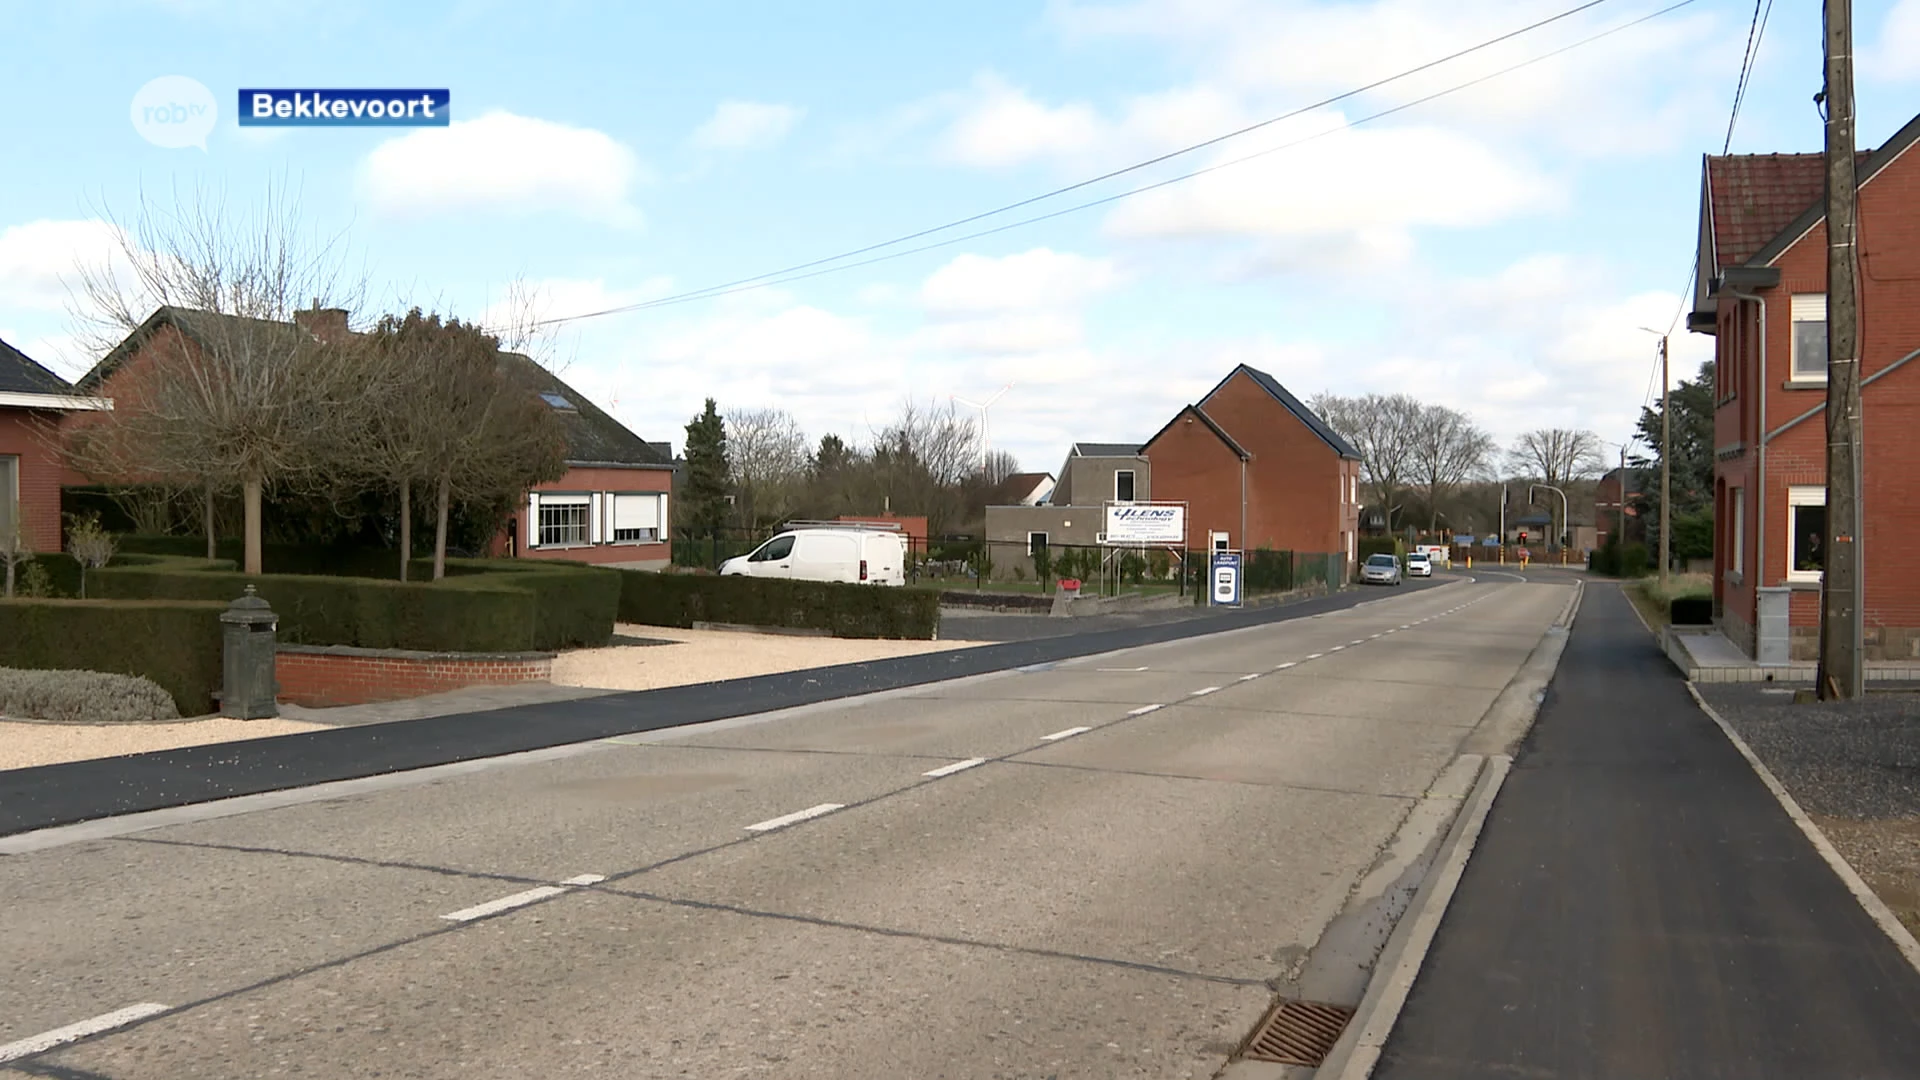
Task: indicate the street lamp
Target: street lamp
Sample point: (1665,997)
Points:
(1666,461)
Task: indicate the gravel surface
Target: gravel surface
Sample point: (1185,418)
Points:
(24,744)
(697,656)
(1858,759)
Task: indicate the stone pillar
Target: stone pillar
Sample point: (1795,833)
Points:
(248,689)
(1772,639)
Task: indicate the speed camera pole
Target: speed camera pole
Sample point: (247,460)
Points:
(1841,675)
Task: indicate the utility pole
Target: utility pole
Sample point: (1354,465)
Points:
(1841,675)
(1666,467)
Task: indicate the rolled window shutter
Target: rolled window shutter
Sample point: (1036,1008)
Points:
(533,519)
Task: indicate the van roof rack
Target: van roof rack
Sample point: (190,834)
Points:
(875,526)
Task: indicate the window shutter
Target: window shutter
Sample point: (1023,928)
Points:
(533,519)
(636,511)
(1810,307)
(594,518)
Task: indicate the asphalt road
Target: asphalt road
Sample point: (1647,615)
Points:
(1639,905)
(1090,868)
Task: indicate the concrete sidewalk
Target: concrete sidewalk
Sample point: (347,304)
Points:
(1639,905)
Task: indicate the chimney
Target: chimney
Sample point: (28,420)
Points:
(326,324)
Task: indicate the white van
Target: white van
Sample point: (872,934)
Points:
(1438,554)
(852,555)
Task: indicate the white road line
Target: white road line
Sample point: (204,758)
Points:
(585,879)
(1203,691)
(1358,641)
(1336,648)
(1409,626)
(1245,678)
(1315,655)
(47,1040)
(958,766)
(798,815)
(1067,734)
(505,903)
(1144,710)
(1142,668)
(1285,666)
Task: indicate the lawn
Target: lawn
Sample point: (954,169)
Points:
(1652,600)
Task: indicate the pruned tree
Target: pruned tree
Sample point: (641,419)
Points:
(767,456)
(708,485)
(237,397)
(1446,448)
(15,546)
(90,545)
(1381,428)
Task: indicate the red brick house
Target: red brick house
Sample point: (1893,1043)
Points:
(1613,504)
(611,506)
(32,401)
(1762,294)
(1258,469)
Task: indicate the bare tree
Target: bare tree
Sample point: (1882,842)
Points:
(236,395)
(90,545)
(1446,449)
(15,547)
(1557,456)
(921,460)
(1381,428)
(767,453)
(1001,464)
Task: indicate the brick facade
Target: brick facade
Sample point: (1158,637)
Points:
(29,436)
(519,535)
(323,677)
(1755,406)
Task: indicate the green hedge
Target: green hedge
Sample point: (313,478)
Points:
(574,604)
(850,611)
(331,561)
(174,643)
(1690,611)
(477,616)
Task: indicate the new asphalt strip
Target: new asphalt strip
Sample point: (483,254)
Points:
(50,795)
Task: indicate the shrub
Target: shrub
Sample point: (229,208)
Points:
(1269,570)
(1633,561)
(851,611)
(83,697)
(574,604)
(175,644)
(1690,611)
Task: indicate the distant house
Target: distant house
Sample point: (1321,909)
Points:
(1614,499)
(1022,489)
(1093,475)
(32,401)
(1762,276)
(611,506)
(1258,469)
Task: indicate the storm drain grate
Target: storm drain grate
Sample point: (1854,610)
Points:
(1298,1033)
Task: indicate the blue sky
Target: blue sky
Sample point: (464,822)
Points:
(1495,250)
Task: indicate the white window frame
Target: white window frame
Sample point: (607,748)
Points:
(660,516)
(1031,533)
(583,501)
(1798,497)
(1135,476)
(1805,307)
(1739,559)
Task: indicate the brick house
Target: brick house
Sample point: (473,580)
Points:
(1613,503)
(611,506)
(32,401)
(1258,469)
(1762,294)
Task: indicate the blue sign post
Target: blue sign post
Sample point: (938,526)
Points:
(1225,591)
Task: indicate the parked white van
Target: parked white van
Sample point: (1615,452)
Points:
(1437,554)
(827,552)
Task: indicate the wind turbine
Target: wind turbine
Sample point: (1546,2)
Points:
(983,406)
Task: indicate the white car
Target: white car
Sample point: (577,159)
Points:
(1437,554)
(854,556)
(1382,569)
(1418,565)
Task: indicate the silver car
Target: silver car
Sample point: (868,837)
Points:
(1380,569)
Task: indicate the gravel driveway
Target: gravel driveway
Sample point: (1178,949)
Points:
(666,656)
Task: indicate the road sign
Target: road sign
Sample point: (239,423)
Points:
(1491,541)
(1226,579)
(1464,541)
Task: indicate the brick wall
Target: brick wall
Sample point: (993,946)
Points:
(320,677)
(29,436)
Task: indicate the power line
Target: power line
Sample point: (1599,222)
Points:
(1756,32)
(784,277)
(909,237)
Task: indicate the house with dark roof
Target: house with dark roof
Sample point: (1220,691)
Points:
(32,402)
(1258,469)
(1762,275)
(610,508)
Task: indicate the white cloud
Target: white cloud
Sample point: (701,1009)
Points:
(40,260)
(1895,53)
(505,162)
(1036,279)
(1003,126)
(739,125)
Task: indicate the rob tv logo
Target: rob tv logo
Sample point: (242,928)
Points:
(174,111)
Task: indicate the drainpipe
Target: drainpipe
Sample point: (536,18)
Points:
(1243,512)
(1760,453)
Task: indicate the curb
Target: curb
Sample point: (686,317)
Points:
(1876,908)
(1358,1050)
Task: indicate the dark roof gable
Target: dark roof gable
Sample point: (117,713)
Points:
(1293,405)
(1105,449)
(20,374)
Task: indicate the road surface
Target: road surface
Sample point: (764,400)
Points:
(1098,868)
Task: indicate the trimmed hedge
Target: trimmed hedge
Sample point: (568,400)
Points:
(483,616)
(330,561)
(1690,611)
(83,697)
(175,643)
(574,604)
(850,611)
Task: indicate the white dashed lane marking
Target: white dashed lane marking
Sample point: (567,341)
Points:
(1067,734)
(1144,710)
(60,1036)
(797,816)
(1203,691)
(958,766)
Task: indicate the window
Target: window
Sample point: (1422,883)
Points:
(563,520)
(1809,337)
(777,548)
(1036,541)
(1806,533)
(636,519)
(1740,530)
(9,494)
(558,401)
(1123,485)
